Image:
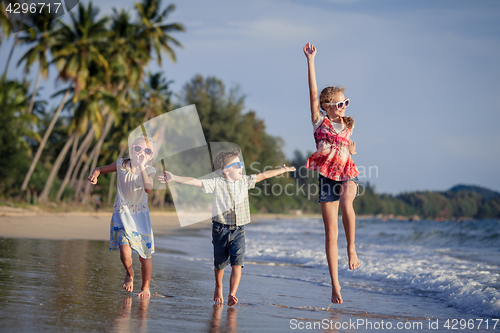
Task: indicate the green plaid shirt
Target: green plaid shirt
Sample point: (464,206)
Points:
(230,205)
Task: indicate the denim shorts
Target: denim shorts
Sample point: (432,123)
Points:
(330,190)
(229,245)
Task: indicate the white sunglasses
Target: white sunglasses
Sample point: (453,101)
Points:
(340,105)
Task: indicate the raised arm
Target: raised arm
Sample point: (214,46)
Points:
(273,173)
(169,177)
(100,171)
(310,53)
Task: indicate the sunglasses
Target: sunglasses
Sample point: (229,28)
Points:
(137,149)
(239,165)
(340,105)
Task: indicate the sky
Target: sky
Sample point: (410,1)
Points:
(422,76)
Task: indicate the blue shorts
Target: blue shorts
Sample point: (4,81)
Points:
(330,190)
(229,245)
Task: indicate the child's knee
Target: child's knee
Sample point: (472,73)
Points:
(332,234)
(236,268)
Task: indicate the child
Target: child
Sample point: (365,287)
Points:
(230,212)
(130,223)
(337,172)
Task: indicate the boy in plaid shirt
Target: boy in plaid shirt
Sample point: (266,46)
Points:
(230,212)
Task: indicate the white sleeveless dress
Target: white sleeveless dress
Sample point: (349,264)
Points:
(130,223)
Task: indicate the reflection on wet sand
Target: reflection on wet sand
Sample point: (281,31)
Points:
(131,323)
(231,320)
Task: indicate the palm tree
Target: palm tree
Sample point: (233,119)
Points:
(43,37)
(154,32)
(79,45)
(127,55)
(76,46)
(100,99)
(156,95)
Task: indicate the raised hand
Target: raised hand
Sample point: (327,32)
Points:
(352,147)
(309,51)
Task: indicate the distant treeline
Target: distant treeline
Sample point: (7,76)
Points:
(460,201)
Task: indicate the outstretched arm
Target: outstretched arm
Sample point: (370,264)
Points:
(273,173)
(100,171)
(169,177)
(310,53)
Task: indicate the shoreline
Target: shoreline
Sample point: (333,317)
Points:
(41,223)
(90,225)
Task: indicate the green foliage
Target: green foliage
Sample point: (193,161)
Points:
(15,127)
(444,205)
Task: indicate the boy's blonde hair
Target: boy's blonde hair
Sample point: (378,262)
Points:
(223,157)
(327,95)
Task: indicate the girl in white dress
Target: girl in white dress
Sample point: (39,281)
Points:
(130,223)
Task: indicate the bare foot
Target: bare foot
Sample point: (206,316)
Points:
(353,259)
(128,284)
(144,293)
(218,298)
(336,297)
(232,300)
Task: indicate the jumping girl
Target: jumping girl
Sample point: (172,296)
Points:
(337,173)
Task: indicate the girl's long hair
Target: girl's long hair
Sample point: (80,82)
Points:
(327,95)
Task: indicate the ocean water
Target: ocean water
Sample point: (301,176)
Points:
(455,265)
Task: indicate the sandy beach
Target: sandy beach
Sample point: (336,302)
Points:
(89,226)
(24,223)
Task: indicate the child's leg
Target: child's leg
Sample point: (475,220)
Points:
(219,274)
(234,282)
(348,193)
(147,270)
(126,258)
(329,210)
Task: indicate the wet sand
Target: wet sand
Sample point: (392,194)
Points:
(75,286)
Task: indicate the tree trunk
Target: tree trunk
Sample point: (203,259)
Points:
(73,160)
(44,196)
(76,172)
(85,170)
(44,141)
(35,89)
(16,39)
(107,128)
